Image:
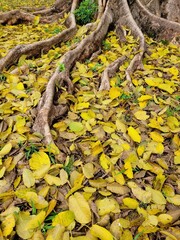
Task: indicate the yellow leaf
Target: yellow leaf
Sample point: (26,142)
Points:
(28,178)
(2,171)
(114,92)
(130,203)
(55,233)
(63,176)
(38,235)
(51,206)
(36,220)
(104,161)
(156,137)
(144,98)
(127,235)
(166,87)
(88,170)
(117,188)
(96,148)
(61,126)
(134,135)
(8,224)
(38,160)
(52,148)
(155,147)
(164,218)
(81,67)
(88,115)
(40,173)
(80,207)
(172,122)
(162,162)
(140,150)
(157,196)
(121,126)
(118,176)
(22,220)
(129,171)
(63,218)
(101,232)
(52,180)
(82,105)
(174,199)
(176,141)
(169,235)
(98,183)
(139,193)
(174,71)
(108,129)
(107,205)
(77,185)
(89,74)
(36,20)
(177,159)
(38,201)
(153,82)
(6,149)
(141,115)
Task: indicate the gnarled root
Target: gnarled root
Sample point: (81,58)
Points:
(109,72)
(84,50)
(126,19)
(47,15)
(36,48)
(155,26)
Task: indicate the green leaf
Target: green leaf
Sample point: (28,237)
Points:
(76,126)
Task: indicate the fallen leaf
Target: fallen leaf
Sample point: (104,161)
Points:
(80,207)
(134,135)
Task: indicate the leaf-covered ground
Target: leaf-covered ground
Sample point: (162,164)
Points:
(6,5)
(117,173)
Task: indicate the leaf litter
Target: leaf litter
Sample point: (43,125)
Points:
(115,173)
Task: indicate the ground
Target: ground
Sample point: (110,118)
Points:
(89,122)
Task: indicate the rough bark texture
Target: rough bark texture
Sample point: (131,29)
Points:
(140,16)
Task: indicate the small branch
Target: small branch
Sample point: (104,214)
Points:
(109,72)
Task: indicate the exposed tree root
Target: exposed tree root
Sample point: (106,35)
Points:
(127,19)
(59,7)
(47,15)
(102,4)
(13,16)
(171,14)
(32,9)
(109,72)
(155,26)
(84,50)
(37,47)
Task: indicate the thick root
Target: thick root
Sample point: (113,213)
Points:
(37,47)
(109,72)
(173,10)
(126,19)
(47,15)
(84,50)
(154,26)
(14,16)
